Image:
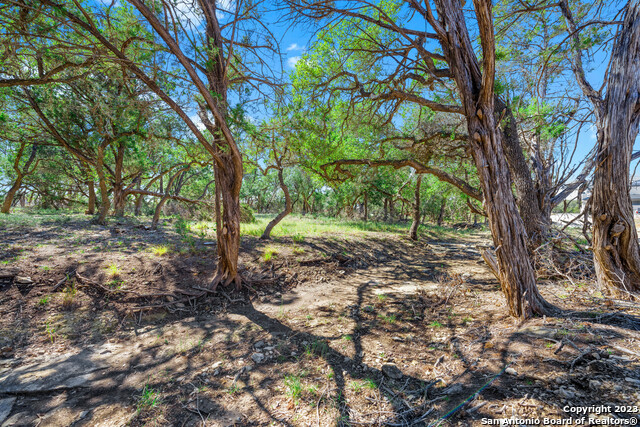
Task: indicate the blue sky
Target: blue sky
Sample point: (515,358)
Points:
(295,40)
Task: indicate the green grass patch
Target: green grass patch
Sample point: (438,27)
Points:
(159,250)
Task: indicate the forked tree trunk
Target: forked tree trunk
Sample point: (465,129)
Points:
(413,232)
(515,271)
(288,207)
(615,238)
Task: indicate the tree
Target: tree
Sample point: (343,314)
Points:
(209,62)
(410,82)
(616,251)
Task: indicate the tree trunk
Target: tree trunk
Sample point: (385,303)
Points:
(516,273)
(385,214)
(615,238)
(227,204)
(91,206)
(158,210)
(443,205)
(119,194)
(8,200)
(138,206)
(119,201)
(21,173)
(104,191)
(366,207)
(288,207)
(413,232)
(527,197)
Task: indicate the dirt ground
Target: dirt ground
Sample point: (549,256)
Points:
(100,328)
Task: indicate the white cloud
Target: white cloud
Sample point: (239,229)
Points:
(291,62)
(294,46)
(196,121)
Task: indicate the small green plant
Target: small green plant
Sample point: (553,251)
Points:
(549,345)
(356,386)
(293,386)
(183,228)
(150,398)
(382,297)
(317,347)
(50,330)
(68,296)
(44,300)
(298,250)
(312,390)
(45,267)
(435,324)
(159,250)
(389,319)
(116,284)
(269,253)
(233,389)
(309,317)
(113,270)
(347,337)
(297,238)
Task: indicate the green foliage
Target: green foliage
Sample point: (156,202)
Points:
(293,386)
(150,398)
(247,215)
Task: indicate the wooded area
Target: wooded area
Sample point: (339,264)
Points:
(224,190)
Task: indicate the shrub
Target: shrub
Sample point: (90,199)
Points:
(246,214)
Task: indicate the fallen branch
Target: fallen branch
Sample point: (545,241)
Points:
(489,257)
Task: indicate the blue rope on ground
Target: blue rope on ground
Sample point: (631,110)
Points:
(468,399)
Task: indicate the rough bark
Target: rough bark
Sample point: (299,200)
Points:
(413,231)
(105,204)
(91,205)
(227,205)
(288,207)
(616,252)
(119,193)
(615,238)
(535,222)
(515,270)
(8,199)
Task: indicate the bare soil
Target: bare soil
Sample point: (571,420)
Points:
(373,329)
